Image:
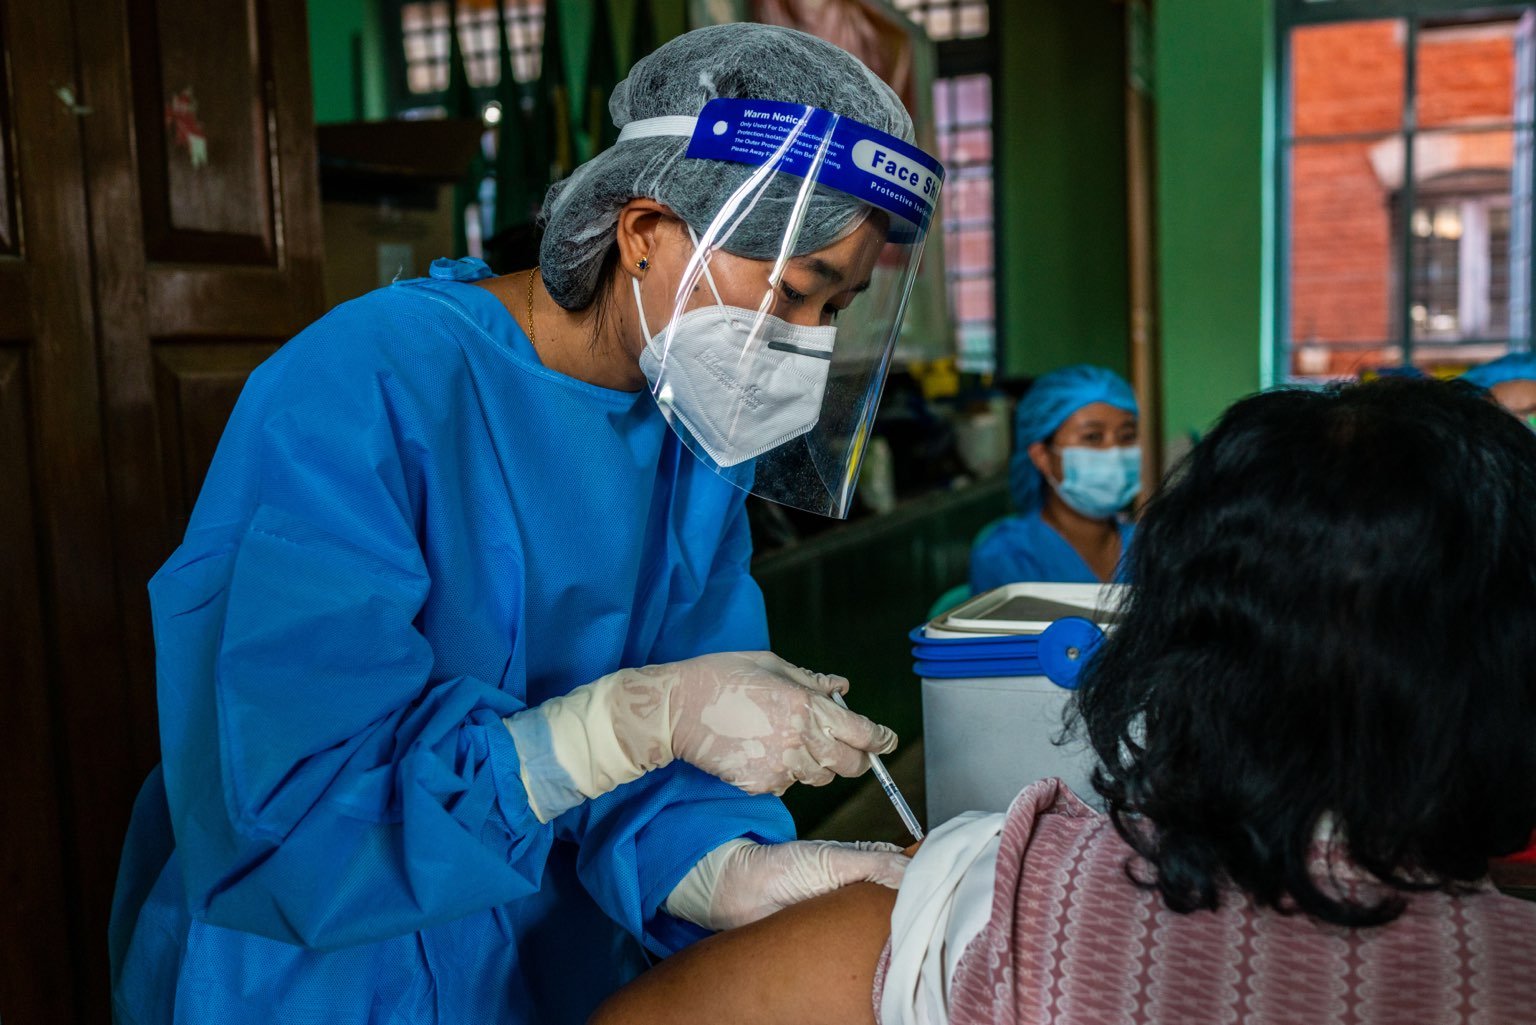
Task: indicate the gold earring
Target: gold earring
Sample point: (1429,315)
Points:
(643,263)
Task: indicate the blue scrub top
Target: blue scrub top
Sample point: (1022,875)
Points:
(411,529)
(1026,548)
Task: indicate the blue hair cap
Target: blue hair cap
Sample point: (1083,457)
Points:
(1517,366)
(1045,407)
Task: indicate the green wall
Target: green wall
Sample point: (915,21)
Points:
(1059,125)
(332,26)
(1213,69)
(1062,231)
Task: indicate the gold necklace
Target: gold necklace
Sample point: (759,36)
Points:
(531,340)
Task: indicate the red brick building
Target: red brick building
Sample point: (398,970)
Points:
(1346,189)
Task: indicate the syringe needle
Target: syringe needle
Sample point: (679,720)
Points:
(892,791)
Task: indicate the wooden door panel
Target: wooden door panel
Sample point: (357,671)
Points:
(137,289)
(15,314)
(9,238)
(234,259)
(235,302)
(196,385)
(35,981)
(128,322)
(61,688)
(202,115)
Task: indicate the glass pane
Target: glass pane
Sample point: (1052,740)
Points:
(1466,74)
(424,29)
(1463,255)
(1341,259)
(969,197)
(940,21)
(970,146)
(525,35)
(948,19)
(973,19)
(968,251)
(1347,78)
(482,55)
(973,100)
(973,300)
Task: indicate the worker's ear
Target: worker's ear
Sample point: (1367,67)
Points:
(644,228)
(1040,455)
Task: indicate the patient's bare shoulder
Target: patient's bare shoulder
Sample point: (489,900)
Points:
(814,962)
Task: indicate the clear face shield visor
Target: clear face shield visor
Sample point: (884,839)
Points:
(771,365)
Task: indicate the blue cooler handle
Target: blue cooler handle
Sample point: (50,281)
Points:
(1065,647)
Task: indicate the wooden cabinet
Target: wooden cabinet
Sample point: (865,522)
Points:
(159,236)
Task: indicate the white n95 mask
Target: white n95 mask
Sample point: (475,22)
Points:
(741,382)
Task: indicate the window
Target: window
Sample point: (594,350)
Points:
(425,43)
(962,104)
(1460,281)
(948,19)
(1405,178)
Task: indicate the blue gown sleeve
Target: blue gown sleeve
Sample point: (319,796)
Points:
(638,841)
(326,786)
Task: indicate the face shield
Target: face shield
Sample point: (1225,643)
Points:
(771,370)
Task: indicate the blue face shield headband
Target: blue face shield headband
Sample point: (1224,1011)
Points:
(788,422)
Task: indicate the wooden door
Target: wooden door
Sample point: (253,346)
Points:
(159,236)
(62,673)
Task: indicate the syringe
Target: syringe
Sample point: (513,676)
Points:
(891,790)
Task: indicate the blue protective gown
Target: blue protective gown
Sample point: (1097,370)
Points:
(1026,548)
(411,529)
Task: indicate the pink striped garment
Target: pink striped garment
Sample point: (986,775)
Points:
(1072,942)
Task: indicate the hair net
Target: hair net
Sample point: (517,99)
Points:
(1046,406)
(1517,366)
(743,61)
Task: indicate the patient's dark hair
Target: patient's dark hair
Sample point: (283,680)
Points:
(1334,612)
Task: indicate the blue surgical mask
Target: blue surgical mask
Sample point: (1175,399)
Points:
(1099,482)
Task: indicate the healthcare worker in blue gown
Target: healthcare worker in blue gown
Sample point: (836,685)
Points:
(1511,380)
(465,697)
(1076,466)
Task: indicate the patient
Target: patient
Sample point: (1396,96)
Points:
(1315,725)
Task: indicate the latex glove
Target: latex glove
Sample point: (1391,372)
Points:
(762,724)
(750,718)
(740,882)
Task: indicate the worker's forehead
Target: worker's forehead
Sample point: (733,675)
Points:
(1099,415)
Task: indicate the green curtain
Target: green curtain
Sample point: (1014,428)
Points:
(522,147)
(603,73)
(550,126)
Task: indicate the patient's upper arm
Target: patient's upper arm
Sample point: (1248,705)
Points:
(814,962)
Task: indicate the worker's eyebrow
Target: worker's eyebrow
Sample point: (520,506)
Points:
(827,272)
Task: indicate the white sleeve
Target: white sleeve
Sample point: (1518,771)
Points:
(944,902)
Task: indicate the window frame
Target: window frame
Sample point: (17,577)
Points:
(1292,14)
(978,55)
